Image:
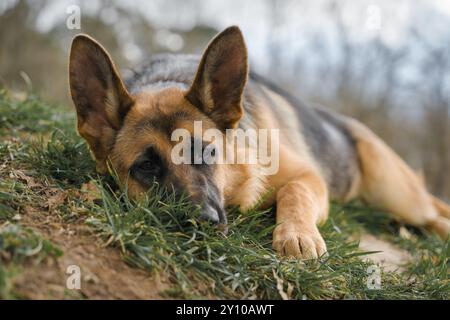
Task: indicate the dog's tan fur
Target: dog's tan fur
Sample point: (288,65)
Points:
(389,183)
(110,119)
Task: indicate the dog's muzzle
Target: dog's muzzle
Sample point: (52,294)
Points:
(214,213)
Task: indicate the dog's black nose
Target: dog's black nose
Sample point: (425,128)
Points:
(210,214)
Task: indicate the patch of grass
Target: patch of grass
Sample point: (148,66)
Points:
(428,272)
(7,274)
(51,148)
(6,200)
(161,233)
(30,115)
(18,243)
(13,195)
(17,246)
(63,157)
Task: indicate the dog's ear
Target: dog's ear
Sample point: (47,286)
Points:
(220,80)
(99,95)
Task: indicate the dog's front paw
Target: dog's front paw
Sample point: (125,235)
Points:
(296,240)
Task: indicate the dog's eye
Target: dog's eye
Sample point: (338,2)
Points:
(202,155)
(209,154)
(196,152)
(149,168)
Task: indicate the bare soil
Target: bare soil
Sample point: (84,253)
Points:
(104,274)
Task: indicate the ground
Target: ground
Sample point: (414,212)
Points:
(55,211)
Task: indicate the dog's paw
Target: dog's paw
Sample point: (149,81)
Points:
(295,240)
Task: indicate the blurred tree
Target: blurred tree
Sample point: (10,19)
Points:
(24,49)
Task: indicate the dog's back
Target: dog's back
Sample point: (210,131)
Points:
(324,132)
(329,142)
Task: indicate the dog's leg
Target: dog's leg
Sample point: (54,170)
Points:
(442,223)
(388,183)
(442,208)
(301,203)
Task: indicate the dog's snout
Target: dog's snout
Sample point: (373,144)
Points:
(214,212)
(210,214)
(216,215)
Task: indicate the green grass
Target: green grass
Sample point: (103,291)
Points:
(61,157)
(160,233)
(30,115)
(18,246)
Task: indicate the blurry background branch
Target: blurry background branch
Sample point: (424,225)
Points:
(384,62)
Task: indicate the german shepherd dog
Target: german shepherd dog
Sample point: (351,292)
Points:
(322,154)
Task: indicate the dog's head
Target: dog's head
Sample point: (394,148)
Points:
(133,132)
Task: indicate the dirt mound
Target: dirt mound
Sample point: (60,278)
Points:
(104,274)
